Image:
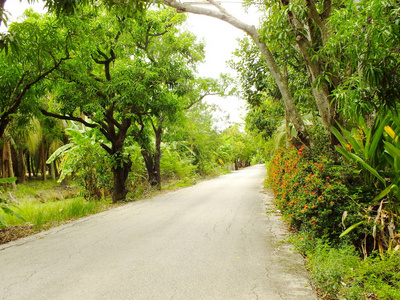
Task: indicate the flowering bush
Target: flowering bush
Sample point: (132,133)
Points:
(311,190)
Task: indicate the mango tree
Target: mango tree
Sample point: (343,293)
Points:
(39,49)
(125,76)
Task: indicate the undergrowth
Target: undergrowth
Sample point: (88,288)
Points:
(44,215)
(338,271)
(323,198)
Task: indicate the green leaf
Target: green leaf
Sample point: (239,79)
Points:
(377,137)
(384,192)
(11,212)
(3,222)
(395,153)
(338,135)
(8,180)
(351,228)
(366,166)
(59,151)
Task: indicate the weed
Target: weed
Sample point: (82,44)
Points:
(41,215)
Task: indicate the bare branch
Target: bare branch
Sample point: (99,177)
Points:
(200,99)
(220,7)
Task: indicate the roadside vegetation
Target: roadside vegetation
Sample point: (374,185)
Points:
(336,181)
(103,106)
(109,100)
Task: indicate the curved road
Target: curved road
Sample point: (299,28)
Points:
(211,241)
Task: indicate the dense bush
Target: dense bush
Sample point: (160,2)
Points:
(312,190)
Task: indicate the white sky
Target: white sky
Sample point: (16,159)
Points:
(220,39)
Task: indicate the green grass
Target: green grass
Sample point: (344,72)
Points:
(39,191)
(45,215)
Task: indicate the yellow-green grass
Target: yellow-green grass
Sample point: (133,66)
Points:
(48,214)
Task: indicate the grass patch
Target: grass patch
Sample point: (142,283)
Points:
(45,215)
(180,183)
(39,191)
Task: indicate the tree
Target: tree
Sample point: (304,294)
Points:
(279,75)
(125,77)
(42,48)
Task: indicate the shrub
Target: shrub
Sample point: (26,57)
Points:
(338,272)
(374,277)
(174,166)
(311,190)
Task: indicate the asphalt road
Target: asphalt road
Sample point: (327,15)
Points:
(213,240)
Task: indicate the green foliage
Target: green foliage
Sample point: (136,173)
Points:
(85,160)
(43,215)
(6,207)
(338,272)
(265,118)
(311,189)
(330,267)
(238,146)
(367,34)
(37,48)
(374,276)
(175,165)
(377,151)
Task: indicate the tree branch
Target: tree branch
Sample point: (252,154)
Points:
(314,13)
(293,113)
(4,120)
(200,99)
(69,118)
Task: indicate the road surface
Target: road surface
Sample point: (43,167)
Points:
(213,240)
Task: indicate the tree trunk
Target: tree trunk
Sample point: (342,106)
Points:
(120,174)
(21,166)
(15,161)
(43,161)
(150,167)
(53,170)
(28,164)
(153,161)
(35,166)
(7,163)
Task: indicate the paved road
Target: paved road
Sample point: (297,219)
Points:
(209,241)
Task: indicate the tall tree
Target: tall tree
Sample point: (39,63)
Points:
(42,48)
(279,73)
(125,77)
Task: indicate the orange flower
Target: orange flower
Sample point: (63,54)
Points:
(313,223)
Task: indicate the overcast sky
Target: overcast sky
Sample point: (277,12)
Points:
(220,39)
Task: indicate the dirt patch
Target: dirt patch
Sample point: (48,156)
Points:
(12,233)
